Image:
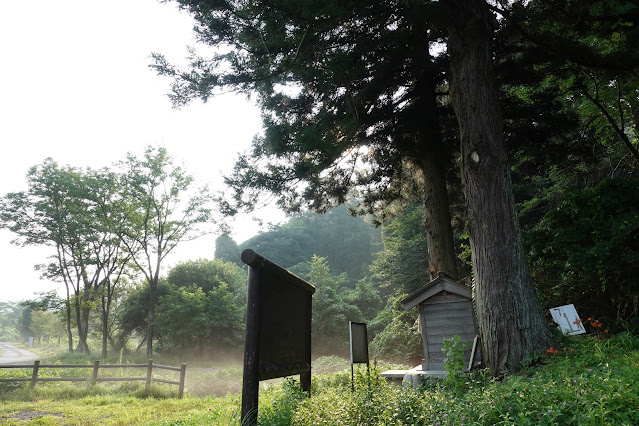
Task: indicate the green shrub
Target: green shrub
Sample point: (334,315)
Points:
(590,382)
(586,250)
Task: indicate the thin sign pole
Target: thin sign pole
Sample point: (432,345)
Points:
(250,384)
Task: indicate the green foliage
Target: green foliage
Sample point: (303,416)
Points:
(160,210)
(354,88)
(331,309)
(41,317)
(47,325)
(209,275)
(116,408)
(330,364)
(222,381)
(402,265)
(366,298)
(395,334)
(597,385)
(278,404)
(205,314)
(227,250)
(454,361)
(347,242)
(373,402)
(9,315)
(586,250)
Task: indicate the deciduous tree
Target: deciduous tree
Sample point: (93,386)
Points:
(158,213)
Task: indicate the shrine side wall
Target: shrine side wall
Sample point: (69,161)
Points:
(446,316)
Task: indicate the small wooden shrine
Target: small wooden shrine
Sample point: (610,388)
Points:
(445,310)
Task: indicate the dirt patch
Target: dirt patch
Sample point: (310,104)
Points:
(30,414)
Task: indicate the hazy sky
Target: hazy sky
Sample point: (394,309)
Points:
(75,86)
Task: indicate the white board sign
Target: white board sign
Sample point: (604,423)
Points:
(567,319)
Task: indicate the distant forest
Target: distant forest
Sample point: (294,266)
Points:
(348,243)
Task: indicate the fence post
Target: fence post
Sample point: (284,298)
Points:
(96,365)
(149,371)
(182,376)
(34,376)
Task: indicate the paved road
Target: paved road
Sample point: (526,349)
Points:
(13,355)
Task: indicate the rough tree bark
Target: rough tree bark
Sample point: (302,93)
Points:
(439,232)
(433,161)
(509,316)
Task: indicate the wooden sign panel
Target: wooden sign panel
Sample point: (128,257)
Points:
(278,329)
(284,326)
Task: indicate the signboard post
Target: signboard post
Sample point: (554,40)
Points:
(278,329)
(358,338)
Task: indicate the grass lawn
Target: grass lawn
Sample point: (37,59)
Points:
(586,381)
(117,409)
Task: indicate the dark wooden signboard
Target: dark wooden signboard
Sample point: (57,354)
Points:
(278,329)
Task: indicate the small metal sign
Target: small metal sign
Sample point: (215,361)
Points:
(358,339)
(567,319)
(359,342)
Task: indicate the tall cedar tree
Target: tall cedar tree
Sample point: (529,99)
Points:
(270,47)
(351,98)
(508,312)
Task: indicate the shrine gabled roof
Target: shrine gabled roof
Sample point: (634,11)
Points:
(443,282)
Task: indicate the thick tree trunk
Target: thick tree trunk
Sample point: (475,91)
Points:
(433,162)
(439,232)
(510,322)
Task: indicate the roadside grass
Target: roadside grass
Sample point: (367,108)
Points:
(119,409)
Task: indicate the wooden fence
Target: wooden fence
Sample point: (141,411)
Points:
(94,378)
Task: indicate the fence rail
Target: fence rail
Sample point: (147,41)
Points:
(36,366)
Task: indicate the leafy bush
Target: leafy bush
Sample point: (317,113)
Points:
(395,334)
(586,250)
(593,381)
(454,361)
